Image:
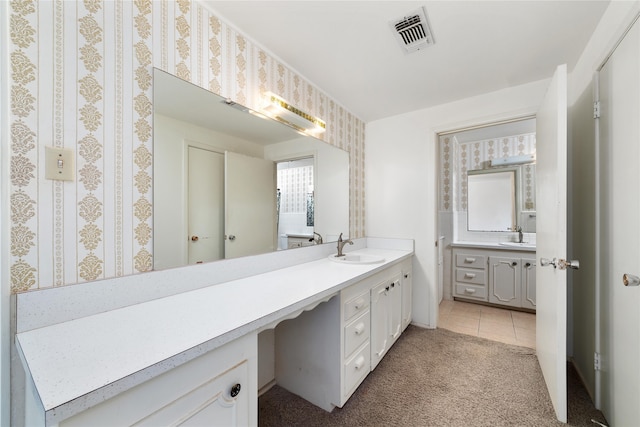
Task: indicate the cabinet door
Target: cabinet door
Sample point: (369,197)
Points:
(395,312)
(406,296)
(504,281)
(380,333)
(220,402)
(529,283)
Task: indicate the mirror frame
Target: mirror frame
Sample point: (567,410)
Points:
(516,197)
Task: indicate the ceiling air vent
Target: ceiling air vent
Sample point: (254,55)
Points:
(412,31)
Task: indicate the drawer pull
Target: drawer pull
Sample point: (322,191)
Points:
(469,275)
(359,363)
(470,260)
(359,329)
(235,390)
(470,291)
(359,304)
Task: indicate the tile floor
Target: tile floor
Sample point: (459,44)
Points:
(497,324)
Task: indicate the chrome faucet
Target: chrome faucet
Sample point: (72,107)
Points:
(319,239)
(518,230)
(341,244)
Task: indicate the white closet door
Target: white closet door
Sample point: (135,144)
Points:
(619,157)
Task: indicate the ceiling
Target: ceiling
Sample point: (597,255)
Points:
(348,48)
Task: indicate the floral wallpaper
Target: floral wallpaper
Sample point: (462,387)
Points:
(456,159)
(81,78)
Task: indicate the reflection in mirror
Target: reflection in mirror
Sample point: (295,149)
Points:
(215,174)
(491,200)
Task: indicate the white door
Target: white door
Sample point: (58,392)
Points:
(250,203)
(551,199)
(619,157)
(205,205)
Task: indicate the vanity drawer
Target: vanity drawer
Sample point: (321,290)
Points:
(356,305)
(471,276)
(356,333)
(471,291)
(471,261)
(356,369)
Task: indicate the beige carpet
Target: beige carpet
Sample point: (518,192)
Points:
(441,378)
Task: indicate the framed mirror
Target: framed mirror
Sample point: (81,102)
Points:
(215,180)
(491,199)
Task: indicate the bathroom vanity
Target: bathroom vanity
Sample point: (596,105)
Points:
(192,357)
(503,274)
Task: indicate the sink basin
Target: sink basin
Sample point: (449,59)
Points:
(519,245)
(356,259)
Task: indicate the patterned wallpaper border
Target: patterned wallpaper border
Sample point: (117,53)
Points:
(80,78)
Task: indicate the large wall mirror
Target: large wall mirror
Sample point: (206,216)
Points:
(228,182)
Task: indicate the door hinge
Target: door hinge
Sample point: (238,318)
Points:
(596,110)
(596,361)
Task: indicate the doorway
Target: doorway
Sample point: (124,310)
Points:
(295,202)
(463,150)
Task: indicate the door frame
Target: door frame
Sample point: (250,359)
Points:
(471,124)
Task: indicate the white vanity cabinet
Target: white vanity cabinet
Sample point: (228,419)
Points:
(216,389)
(407,293)
(349,331)
(386,317)
(504,277)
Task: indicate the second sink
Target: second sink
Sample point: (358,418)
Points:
(519,245)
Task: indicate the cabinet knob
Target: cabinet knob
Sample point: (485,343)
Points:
(406,276)
(386,289)
(528,265)
(235,390)
(393,284)
(194,238)
(514,263)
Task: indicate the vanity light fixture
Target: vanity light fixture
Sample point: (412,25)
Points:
(513,160)
(281,110)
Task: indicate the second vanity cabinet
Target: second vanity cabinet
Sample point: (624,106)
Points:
(504,277)
(512,281)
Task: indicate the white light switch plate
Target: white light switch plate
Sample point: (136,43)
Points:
(58,163)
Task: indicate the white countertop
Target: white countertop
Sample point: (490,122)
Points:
(79,363)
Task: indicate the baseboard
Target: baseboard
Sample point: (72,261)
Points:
(582,379)
(266,387)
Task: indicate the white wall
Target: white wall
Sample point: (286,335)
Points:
(401,176)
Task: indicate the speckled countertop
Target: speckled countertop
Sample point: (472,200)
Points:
(79,363)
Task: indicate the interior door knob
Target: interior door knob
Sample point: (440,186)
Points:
(194,238)
(630,280)
(563,264)
(545,262)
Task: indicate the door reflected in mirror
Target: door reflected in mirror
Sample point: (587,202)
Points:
(209,204)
